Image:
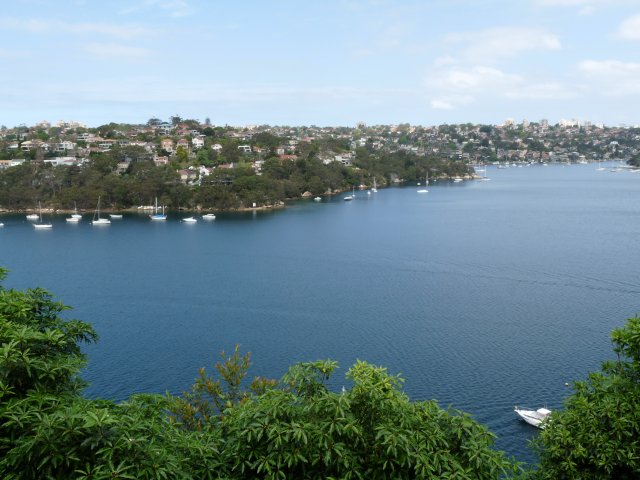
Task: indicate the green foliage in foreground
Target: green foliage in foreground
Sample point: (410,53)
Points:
(294,428)
(597,435)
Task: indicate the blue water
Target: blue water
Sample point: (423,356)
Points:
(483,295)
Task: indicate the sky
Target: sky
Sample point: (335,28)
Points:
(323,62)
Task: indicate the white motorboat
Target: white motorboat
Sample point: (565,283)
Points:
(96,217)
(72,220)
(115,216)
(208,216)
(457,179)
(317,199)
(533,417)
(33,216)
(189,220)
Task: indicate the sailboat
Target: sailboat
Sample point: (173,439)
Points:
(600,167)
(426,182)
(40,224)
(352,196)
(96,217)
(375,187)
(75,216)
(156,215)
(484,175)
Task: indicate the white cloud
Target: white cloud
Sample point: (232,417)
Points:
(457,86)
(116,50)
(586,7)
(473,79)
(564,3)
(502,42)
(630,28)
(39,26)
(541,91)
(612,77)
(441,105)
(175,8)
(587,10)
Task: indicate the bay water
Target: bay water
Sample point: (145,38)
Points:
(482,294)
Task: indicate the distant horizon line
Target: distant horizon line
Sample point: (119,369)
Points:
(507,122)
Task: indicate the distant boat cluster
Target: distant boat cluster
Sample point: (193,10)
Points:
(98,220)
(158,214)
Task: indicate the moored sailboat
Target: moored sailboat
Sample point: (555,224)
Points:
(96,217)
(157,215)
(41,225)
(75,216)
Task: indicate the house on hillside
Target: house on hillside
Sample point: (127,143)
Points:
(197,142)
(64,146)
(160,161)
(187,176)
(166,144)
(183,143)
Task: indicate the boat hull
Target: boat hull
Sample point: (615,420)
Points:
(535,418)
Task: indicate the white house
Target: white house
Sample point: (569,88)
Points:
(197,142)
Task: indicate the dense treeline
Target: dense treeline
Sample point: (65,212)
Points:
(294,428)
(62,187)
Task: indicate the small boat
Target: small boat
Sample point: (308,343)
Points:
(189,220)
(208,216)
(115,216)
(33,216)
(426,182)
(1,224)
(96,217)
(75,216)
(40,225)
(157,215)
(375,187)
(457,179)
(317,199)
(350,197)
(484,177)
(533,417)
